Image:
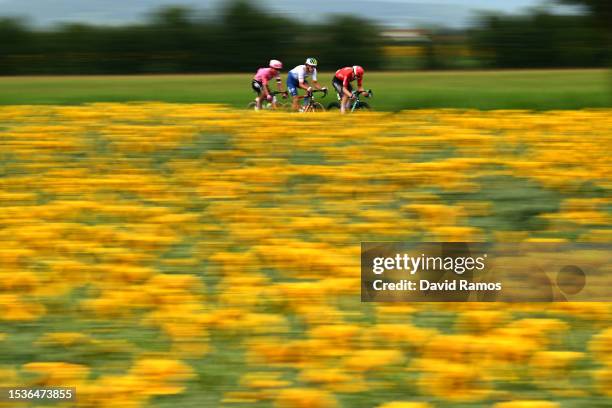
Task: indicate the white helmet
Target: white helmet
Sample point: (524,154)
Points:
(276,64)
(311,61)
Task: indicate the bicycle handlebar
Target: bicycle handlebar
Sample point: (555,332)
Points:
(368,94)
(324,91)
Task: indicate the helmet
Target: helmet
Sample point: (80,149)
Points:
(276,64)
(358,71)
(311,61)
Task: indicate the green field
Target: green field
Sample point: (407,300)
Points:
(520,89)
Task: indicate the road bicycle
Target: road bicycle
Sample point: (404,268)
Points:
(269,105)
(355,103)
(310,104)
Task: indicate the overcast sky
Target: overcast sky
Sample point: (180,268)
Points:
(505,5)
(408,13)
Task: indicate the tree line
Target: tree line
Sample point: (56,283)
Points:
(242,36)
(540,39)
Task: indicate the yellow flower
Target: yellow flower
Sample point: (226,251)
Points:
(8,377)
(603,380)
(452,381)
(19,282)
(363,360)
(161,376)
(161,369)
(555,360)
(118,390)
(403,334)
(13,308)
(527,404)
(304,398)
(65,339)
(264,380)
(601,346)
(480,320)
(339,334)
(57,373)
(321,375)
(404,404)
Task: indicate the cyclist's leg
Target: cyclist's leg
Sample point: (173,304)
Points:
(306,98)
(346,100)
(344,103)
(292,88)
(337,85)
(257,87)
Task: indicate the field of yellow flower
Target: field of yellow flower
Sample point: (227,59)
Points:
(174,255)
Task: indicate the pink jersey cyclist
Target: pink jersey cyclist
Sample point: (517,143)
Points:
(264,75)
(262,78)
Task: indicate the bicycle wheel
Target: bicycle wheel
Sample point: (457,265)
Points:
(333,105)
(265,106)
(317,107)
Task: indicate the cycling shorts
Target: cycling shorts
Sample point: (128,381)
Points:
(337,83)
(257,86)
(293,85)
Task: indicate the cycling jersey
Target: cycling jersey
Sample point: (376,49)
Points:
(297,75)
(300,74)
(337,84)
(347,76)
(264,75)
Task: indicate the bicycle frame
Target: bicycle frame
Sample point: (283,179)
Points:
(354,101)
(310,107)
(357,98)
(269,104)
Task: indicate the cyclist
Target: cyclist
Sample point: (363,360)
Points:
(342,84)
(297,79)
(261,79)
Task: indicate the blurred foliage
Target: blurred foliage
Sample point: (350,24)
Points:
(175,39)
(601,10)
(540,39)
(241,36)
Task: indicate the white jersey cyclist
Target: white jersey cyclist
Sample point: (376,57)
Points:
(300,74)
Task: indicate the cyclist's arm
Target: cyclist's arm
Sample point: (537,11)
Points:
(315,83)
(314,80)
(268,92)
(265,88)
(360,85)
(345,83)
(302,81)
(279,83)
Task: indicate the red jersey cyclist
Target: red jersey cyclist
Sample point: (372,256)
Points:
(261,80)
(342,83)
